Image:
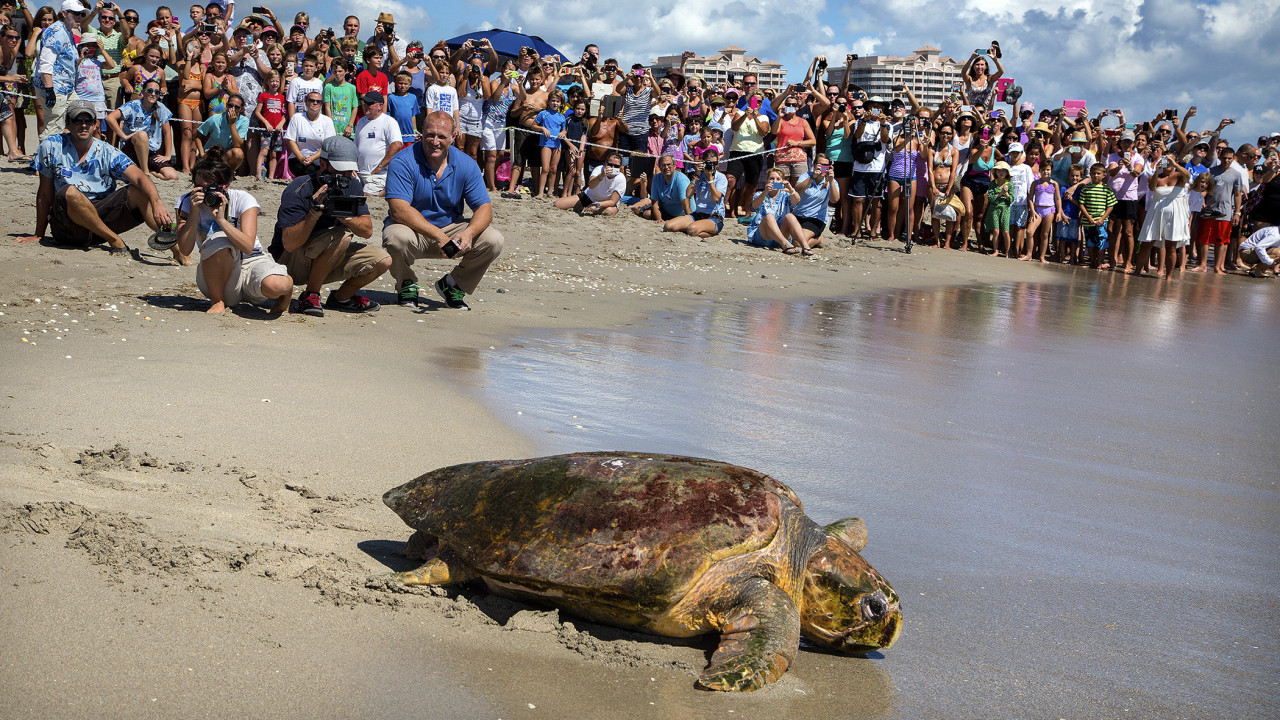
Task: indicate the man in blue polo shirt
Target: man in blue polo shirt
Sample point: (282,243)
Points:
(426,188)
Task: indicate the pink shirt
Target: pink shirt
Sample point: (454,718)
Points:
(1124,183)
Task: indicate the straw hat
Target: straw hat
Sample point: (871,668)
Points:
(1041,127)
(1002,165)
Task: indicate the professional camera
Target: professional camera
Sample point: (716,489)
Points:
(822,65)
(212,200)
(338,203)
(709,166)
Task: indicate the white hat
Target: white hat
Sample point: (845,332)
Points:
(73,6)
(1015,147)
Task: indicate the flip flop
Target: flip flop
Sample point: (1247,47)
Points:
(793,250)
(806,252)
(162,240)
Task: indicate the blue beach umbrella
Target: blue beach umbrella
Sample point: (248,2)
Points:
(507,43)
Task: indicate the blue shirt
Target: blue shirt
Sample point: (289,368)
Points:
(766,108)
(58,39)
(404,108)
(133,118)
(815,200)
(218,132)
(58,160)
(554,122)
(409,178)
(670,197)
(702,194)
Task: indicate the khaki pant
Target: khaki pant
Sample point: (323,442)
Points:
(404,246)
(111,86)
(55,118)
(358,259)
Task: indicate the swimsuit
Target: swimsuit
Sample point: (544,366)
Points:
(194,72)
(1043,199)
(218,102)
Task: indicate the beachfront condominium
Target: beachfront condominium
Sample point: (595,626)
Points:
(715,68)
(925,71)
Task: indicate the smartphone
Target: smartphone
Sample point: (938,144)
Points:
(776,185)
(209,27)
(824,169)
(980,52)
(258,10)
(986,133)
(754,103)
(290,66)
(897,88)
(638,73)
(450,248)
(1130,126)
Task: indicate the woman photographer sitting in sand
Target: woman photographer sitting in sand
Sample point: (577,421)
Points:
(233,266)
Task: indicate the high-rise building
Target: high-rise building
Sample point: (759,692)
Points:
(925,71)
(715,69)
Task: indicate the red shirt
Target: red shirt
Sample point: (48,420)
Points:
(272,107)
(367,81)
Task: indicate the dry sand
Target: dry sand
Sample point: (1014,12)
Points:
(190,516)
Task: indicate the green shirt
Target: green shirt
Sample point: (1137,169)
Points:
(1096,198)
(111,43)
(342,105)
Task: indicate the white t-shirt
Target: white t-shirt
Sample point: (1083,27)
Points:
(607,187)
(441,97)
(307,133)
(299,89)
(373,137)
(1021,176)
(871,133)
(238,201)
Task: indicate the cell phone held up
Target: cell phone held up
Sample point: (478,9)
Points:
(450,248)
(259,10)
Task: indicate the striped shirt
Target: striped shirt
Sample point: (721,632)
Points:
(635,111)
(1096,198)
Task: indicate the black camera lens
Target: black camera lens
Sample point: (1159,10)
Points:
(212,200)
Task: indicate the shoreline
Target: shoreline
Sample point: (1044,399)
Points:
(196,499)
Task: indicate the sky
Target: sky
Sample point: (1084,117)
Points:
(1139,56)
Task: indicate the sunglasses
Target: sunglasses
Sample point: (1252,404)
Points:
(615,165)
(131,18)
(309,101)
(11,37)
(151,91)
(83,120)
(241,107)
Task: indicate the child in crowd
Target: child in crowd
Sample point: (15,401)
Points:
(1069,219)
(999,201)
(371,78)
(692,134)
(770,206)
(1096,200)
(442,94)
(698,149)
(218,84)
(1046,203)
(673,137)
(573,153)
(642,167)
(551,123)
(403,107)
(349,50)
(340,100)
(89,75)
(303,85)
(269,117)
(1021,176)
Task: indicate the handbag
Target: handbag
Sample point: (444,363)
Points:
(949,208)
(865,152)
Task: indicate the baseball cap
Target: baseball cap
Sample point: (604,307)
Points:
(1127,135)
(1015,147)
(372,97)
(73,6)
(340,152)
(1026,106)
(79,107)
(89,38)
(297,28)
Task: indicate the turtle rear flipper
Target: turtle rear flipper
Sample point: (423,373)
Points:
(443,569)
(759,638)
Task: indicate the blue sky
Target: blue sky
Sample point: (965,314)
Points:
(1141,56)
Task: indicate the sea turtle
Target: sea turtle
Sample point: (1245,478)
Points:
(670,545)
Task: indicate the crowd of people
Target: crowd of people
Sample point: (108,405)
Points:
(435,127)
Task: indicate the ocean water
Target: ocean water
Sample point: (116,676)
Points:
(1072,487)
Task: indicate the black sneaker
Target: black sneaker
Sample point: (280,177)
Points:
(309,304)
(408,295)
(453,295)
(355,303)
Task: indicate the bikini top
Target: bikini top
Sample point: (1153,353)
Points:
(980,165)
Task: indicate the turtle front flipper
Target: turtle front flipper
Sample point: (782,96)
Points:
(443,569)
(759,637)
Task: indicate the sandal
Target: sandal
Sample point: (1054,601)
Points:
(806,252)
(793,250)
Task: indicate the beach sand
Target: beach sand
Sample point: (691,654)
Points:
(191,518)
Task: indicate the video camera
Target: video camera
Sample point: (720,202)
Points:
(338,203)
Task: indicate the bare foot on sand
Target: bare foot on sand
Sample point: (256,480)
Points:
(217,307)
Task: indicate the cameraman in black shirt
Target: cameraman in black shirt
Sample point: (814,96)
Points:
(319,217)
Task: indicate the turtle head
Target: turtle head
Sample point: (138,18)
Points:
(846,605)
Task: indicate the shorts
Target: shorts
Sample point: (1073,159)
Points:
(813,225)
(154,164)
(746,169)
(358,259)
(493,139)
(6,111)
(1043,211)
(1069,230)
(272,139)
(113,209)
(792,169)
(637,143)
(1095,237)
(471,127)
(527,151)
(997,218)
(1018,215)
(298,169)
(717,219)
(977,183)
(865,185)
(373,183)
(1213,232)
(1125,210)
(841,169)
(245,282)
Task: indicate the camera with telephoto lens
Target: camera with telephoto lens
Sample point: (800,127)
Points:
(338,203)
(211,199)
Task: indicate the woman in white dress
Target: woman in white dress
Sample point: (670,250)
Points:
(1168,223)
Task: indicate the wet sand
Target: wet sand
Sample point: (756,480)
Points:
(191,522)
